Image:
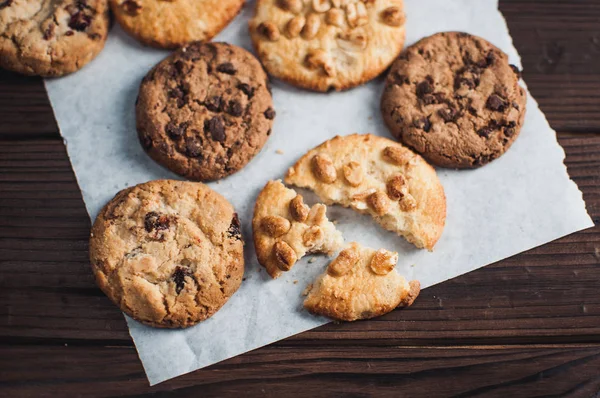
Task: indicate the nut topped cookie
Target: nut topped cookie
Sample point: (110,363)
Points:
(285,229)
(326,45)
(205,111)
(174,23)
(168,253)
(51,38)
(360,283)
(377,176)
(455,99)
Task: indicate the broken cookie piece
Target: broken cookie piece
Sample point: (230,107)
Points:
(286,229)
(380,177)
(360,283)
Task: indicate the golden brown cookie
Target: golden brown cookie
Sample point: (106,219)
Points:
(174,23)
(51,38)
(205,111)
(168,253)
(360,283)
(380,177)
(285,229)
(326,45)
(455,99)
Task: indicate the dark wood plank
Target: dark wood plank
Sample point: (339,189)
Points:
(275,371)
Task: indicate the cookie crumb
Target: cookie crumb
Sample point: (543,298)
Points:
(279,152)
(370,117)
(311,260)
(295,282)
(307,290)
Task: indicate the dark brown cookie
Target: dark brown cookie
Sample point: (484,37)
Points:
(51,38)
(205,111)
(455,99)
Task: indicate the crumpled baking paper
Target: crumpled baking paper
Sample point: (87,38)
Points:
(522,200)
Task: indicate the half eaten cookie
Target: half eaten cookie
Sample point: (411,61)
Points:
(380,177)
(285,229)
(360,283)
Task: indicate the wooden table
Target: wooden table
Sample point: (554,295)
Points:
(526,326)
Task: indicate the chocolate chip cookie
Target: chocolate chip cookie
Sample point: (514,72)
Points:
(51,37)
(327,44)
(168,253)
(174,23)
(205,111)
(455,99)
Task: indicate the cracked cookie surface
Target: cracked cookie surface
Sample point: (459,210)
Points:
(360,283)
(285,229)
(326,45)
(376,176)
(174,23)
(168,253)
(205,111)
(51,37)
(455,99)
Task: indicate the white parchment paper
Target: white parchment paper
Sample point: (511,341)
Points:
(520,201)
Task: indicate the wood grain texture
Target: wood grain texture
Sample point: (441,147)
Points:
(526,326)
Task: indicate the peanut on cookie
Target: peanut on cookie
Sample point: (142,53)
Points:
(377,176)
(285,229)
(327,44)
(360,283)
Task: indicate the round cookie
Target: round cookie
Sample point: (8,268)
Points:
(51,38)
(205,111)
(168,253)
(326,45)
(455,99)
(174,23)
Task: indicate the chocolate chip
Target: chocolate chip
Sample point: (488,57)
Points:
(156,222)
(175,131)
(235,108)
(131,7)
(49,32)
(69,33)
(270,114)
(464,81)
(234,230)
(179,66)
(246,89)
(510,129)
(214,104)
(448,114)
(423,124)
(516,70)
(79,21)
(483,159)
(515,105)
(215,128)
(5,3)
(192,147)
(428,99)
(227,68)
(485,131)
(179,278)
(496,103)
(146,141)
(488,61)
(425,87)
(400,79)
(472,111)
